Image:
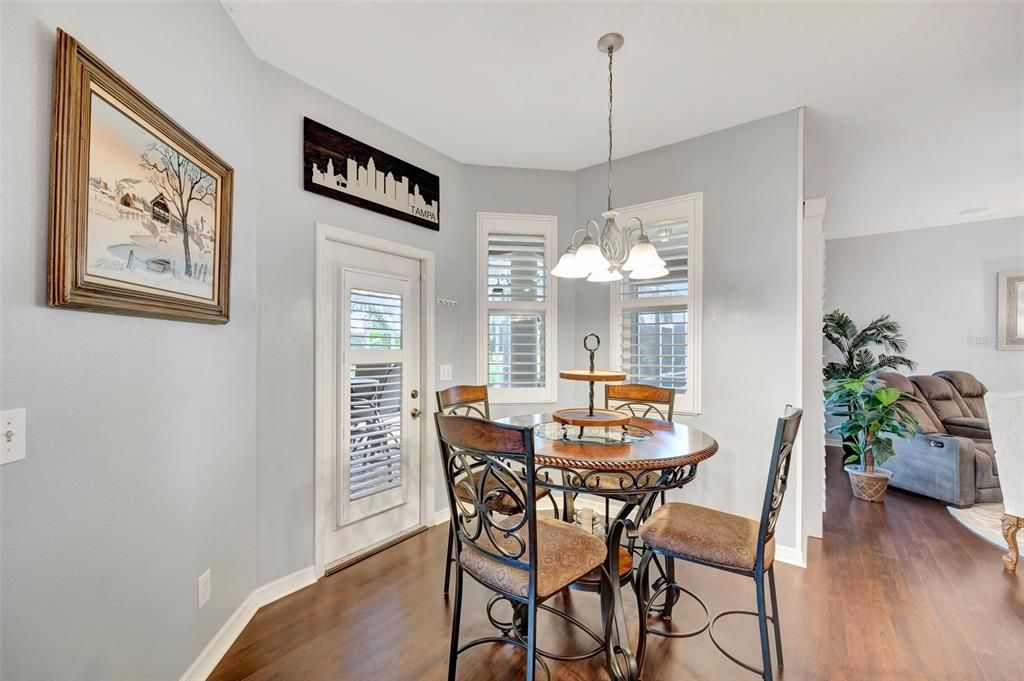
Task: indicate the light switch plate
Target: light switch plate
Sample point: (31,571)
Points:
(12,435)
(203,589)
(446,372)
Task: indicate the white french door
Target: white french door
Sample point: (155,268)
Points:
(370,373)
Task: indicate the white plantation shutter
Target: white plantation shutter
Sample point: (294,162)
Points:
(653,323)
(654,338)
(516,268)
(375,429)
(517,305)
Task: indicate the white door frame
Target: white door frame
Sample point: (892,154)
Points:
(325,418)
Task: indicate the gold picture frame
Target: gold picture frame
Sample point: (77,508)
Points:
(140,210)
(1011,310)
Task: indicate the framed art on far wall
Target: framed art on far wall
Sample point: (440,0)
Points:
(1011,310)
(343,168)
(140,210)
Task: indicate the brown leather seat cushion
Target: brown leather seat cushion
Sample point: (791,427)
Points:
(939,393)
(928,421)
(970,390)
(503,502)
(688,531)
(566,553)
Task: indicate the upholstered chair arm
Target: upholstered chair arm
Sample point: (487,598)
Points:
(938,466)
(1006,414)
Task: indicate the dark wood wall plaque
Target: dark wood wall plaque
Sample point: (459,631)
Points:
(343,168)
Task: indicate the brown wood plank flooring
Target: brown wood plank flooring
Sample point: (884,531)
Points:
(894,591)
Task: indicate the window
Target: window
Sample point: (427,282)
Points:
(516,306)
(656,323)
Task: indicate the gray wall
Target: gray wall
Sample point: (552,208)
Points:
(149,458)
(141,468)
(751,192)
(540,192)
(940,285)
(287,250)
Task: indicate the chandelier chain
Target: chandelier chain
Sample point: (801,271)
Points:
(611,51)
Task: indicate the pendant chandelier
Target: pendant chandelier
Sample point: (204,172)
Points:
(609,253)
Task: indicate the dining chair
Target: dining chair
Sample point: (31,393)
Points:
(644,401)
(472,401)
(639,399)
(521,556)
(725,542)
(1006,418)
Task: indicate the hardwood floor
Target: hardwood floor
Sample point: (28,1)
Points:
(894,591)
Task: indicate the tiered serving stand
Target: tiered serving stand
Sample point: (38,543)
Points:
(588,416)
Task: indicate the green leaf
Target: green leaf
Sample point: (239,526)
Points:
(851,458)
(887,395)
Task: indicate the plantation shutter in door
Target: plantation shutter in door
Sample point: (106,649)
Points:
(376,464)
(516,311)
(654,328)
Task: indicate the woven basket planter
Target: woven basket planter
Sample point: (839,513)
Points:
(868,486)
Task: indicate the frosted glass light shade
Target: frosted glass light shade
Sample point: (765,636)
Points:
(589,256)
(651,273)
(605,274)
(568,266)
(643,256)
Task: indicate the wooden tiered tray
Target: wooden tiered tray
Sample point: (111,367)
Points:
(588,416)
(581,416)
(588,375)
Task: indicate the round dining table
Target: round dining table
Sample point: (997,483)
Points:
(632,464)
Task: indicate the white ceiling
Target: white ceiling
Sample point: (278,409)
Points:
(914,110)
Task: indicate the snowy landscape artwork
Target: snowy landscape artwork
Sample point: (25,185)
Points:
(140,210)
(152,221)
(343,168)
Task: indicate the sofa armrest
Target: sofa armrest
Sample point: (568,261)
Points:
(968,426)
(937,466)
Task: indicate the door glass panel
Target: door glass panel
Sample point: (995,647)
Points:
(375,320)
(375,429)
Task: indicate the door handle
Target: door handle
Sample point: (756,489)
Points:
(415,413)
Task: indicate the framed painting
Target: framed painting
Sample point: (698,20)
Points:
(1011,310)
(343,168)
(140,211)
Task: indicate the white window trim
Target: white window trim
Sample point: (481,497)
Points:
(690,208)
(515,223)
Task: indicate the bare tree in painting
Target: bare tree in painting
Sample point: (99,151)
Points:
(182,181)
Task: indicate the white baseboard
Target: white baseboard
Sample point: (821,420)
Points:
(221,642)
(790,556)
(442,516)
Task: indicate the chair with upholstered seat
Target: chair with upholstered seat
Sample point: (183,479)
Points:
(1006,419)
(639,399)
(472,400)
(523,557)
(726,542)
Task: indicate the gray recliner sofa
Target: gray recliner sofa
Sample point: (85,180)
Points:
(951,458)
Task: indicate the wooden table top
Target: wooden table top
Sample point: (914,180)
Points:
(671,445)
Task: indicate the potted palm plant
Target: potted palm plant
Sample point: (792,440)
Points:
(872,415)
(857,346)
(879,345)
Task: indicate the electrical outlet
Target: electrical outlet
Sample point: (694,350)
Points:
(446,372)
(12,435)
(203,589)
